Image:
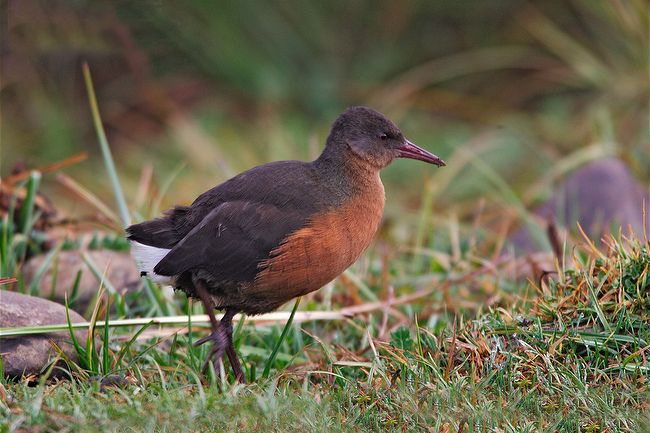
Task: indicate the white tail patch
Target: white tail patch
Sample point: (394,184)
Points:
(146,258)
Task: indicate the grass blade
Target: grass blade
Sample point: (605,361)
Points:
(128,345)
(55,275)
(156,296)
(27,210)
(363,287)
(169,180)
(285,331)
(106,151)
(4,248)
(105,368)
(101,279)
(38,276)
(83,193)
(91,353)
(75,287)
(80,351)
(237,333)
(594,300)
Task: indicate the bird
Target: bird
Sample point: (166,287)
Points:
(276,231)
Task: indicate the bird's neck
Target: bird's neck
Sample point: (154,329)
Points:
(346,167)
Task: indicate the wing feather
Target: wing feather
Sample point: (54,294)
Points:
(232,240)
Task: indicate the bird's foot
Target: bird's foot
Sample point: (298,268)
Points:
(219,338)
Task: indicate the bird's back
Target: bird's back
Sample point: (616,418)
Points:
(291,184)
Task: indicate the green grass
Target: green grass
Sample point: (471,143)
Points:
(567,356)
(382,406)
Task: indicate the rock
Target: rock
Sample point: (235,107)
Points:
(27,355)
(122,274)
(602,195)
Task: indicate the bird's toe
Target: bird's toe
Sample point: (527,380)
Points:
(219,340)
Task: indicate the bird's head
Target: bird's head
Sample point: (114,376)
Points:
(371,137)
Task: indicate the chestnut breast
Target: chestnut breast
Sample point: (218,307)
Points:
(317,253)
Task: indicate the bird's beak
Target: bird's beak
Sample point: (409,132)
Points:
(410,150)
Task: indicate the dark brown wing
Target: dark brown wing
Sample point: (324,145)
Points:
(232,240)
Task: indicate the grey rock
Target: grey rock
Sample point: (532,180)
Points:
(122,274)
(602,195)
(29,354)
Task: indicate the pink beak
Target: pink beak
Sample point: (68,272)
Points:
(410,150)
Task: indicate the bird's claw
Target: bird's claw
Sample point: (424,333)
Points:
(203,340)
(219,343)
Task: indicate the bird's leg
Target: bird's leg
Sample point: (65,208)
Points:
(219,335)
(226,323)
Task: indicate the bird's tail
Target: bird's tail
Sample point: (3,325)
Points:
(152,240)
(146,258)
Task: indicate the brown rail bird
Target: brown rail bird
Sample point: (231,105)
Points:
(277,231)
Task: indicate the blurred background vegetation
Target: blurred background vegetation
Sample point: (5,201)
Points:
(513,94)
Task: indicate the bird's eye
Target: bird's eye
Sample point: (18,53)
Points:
(383,136)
